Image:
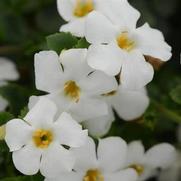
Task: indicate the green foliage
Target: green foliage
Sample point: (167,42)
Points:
(82,43)
(17,97)
(176,94)
(23,178)
(5,117)
(61,41)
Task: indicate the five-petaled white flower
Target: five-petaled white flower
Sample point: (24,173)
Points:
(160,156)
(75,12)
(8,72)
(72,84)
(122,48)
(102,165)
(37,141)
(129,105)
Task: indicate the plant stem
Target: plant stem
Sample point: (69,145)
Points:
(168,113)
(5,50)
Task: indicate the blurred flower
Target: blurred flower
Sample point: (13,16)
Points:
(173,173)
(8,72)
(75,12)
(123,47)
(72,84)
(160,156)
(37,140)
(102,165)
(129,105)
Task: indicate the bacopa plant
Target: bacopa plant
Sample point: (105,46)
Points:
(89,113)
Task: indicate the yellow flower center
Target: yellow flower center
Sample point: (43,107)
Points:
(42,138)
(72,90)
(139,168)
(124,42)
(93,175)
(83,7)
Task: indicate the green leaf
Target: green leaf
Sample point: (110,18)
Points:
(5,117)
(82,43)
(176,94)
(60,41)
(24,178)
(17,97)
(3,146)
(23,112)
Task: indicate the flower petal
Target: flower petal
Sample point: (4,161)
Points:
(105,58)
(95,25)
(27,159)
(120,12)
(151,42)
(161,155)
(136,72)
(42,114)
(98,83)
(135,153)
(3,103)
(75,64)
(65,9)
(18,134)
(88,108)
(56,160)
(100,126)
(69,132)
(76,27)
(130,105)
(72,176)
(85,156)
(125,175)
(48,71)
(110,159)
(8,70)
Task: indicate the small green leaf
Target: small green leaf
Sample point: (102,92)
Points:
(176,94)
(5,117)
(82,43)
(23,112)
(60,41)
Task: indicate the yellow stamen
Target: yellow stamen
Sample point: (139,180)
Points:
(83,7)
(72,90)
(93,175)
(2,132)
(124,42)
(42,138)
(139,168)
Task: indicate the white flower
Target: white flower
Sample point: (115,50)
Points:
(173,173)
(118,47)
(37,140)
(129,105)
(8,72)
(72,84)
(75,13)
(147,163)
(105,164)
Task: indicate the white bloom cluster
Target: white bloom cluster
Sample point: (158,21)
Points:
(88,85)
